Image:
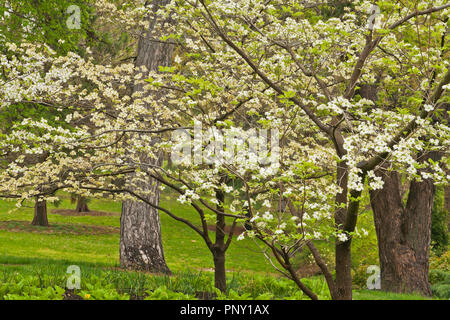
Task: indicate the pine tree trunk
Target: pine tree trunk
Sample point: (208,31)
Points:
(404,234)
(82,205)
(140,235)
(40,213)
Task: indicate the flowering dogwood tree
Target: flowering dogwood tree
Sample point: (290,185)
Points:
(140,227)
(304,69)
(314,72)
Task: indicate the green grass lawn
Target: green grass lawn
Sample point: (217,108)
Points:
(29,251)
(183,247)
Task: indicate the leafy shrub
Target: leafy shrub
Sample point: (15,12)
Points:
(439,232)
(440,262)
(29,288)
(440,280)
(365,246)
(360,276)
(162,293)
(97,290)
(441,290)
(437,276)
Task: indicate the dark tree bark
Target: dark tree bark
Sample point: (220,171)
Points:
(404,234)
(343,270)
(343,287)
(140,235)
(40,213)
(82,205)
(218,249)
(220,275)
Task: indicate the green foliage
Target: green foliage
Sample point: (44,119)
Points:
(365,247)
(335,8)
(97,288)
(359,277)
(20,287)
(439,232)
(440,262)
(44,21)
(440,280)
(162,293)
(381,295)
(100,284)
(319,286)
(14,114)
(40,262)
(441,290)
(438,276)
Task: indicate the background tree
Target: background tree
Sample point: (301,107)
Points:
(140,235)
(82,205)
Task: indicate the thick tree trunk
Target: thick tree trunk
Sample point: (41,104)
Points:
(140,236)
(40,213)
(82,205)
(404,234)
(342,249)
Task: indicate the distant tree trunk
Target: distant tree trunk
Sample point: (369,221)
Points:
(40,213)
(140,235)
(82,205)
(404,234)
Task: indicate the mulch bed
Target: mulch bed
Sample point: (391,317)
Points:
(70,295)
(308,270)
(237,230)
(69,212)
(74,229)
